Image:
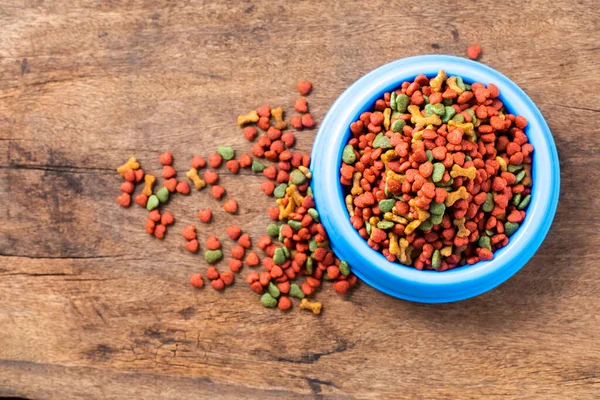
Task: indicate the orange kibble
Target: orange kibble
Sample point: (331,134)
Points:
(167,218)
(307,121)
(250,133)
(217,192)
(189,232)
(198,162)
(139,175)
(154,215)
(129,175)
(150,225)
(284,303)
(170,184)
(212,243)
(183,187)
(127,187)
(245,160)
(252,259)
(235,265)
(238,252)
(159,231)
(267,187)
(218,284)
(215,160)
(473,52)
(227,278)
(168,172)
(233,232)
(301,105)
(256,287)
(233,166)
(245,241)
(304,87)
(205,215)
(230,206)
(212,273)
(211,177)
(124,199)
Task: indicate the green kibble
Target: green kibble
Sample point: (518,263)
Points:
(279,256)
(436,219)
(368,227)
(396,115)
(297,177)
(438,172)
(460,83)
(426,225)
(519,177)
(309,192)
(467,86)
(472,114)
(524,203)
(162,195)
(296,225)
(490,232)
(152,203)
(426,99)
(257,167)
(385,224)
(226,152)
(516,199)
(402,102)
(447,102)
(312,245)
(510,228)
(381,142)
(488,205)
(273,230)
(398,125)
(280,236)
(468,158)
(428,110)
(445,184)
(393,100)
(485,243)
(386,205)
(429,155)
(514,168)
(348,155)
(309,265)
(279,191)
(212,256)
(449,112)
(295,291)
(286,252)
(386,190)
(268,301)
(438,109)
(344,268)
(436,260)
(273,290)
(437,208)
(458,118)
(314,214)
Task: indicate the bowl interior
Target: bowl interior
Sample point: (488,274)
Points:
(408,282)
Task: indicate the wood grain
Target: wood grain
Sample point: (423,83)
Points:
(91,307)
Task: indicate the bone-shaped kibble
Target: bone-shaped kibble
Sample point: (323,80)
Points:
(502,162)
(277,113)
(388,156)
(410,228)
(527,180)
(422,215)
(374,221)
(462,231)
(453,197)
(130,164)
(405,252)
(387,113)
(313,306)
(446,251)
(193,176)
(417,118)
(451,82)
(390,216)
(305,171)
(467,127)
(292,191)
(436,83)
(457,171)
(392,175)
(148,184)
(356,188)
(249,118)
(350,205)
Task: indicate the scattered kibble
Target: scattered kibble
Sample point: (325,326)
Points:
(473,52)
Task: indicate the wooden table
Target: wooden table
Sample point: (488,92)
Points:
(91,307)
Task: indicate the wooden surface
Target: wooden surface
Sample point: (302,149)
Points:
(91,307)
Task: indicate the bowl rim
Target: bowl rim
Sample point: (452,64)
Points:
(407,282)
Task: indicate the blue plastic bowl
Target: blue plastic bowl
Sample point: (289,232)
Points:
(407,282)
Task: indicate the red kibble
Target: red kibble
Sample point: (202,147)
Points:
(230,206)
(238,252)
(267,187)
(304,87)
(288,138)
(235,265)
(473,52)
(284,303)
(233,232)
(212,273)
(150,225)
(159,231)
(307,121)
(218,284)
(301,105)
(233,166)
(250,133)
(264,111)
(127,187)
(170,184)
(227,278)
(183,187)
(296,122)
(198,161)
(141,199)
(211,177)
(205,215)
(139,175)
(124,199)
(212,243)
(245,160)
(197,281)
(166,158)
(217,192)
(341,287)
(129,175)
(252,259)
(189,232)
(192,245)
(245,241)
(154,215)
(167,218)
(168,172)
(215,160)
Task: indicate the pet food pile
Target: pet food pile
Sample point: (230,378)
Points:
(296,257)
(438,175)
